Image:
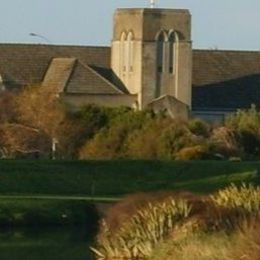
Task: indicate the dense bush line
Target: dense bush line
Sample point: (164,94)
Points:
(35,120)
(143,135)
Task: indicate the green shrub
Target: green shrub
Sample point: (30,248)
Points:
(160,138)
(199,127)
(174,138)
(110,142)
(245,120)
(246,123)
(143,143)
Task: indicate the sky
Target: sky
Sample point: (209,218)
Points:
(222,24)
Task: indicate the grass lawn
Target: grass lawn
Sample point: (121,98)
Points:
(117,178)
(33,192)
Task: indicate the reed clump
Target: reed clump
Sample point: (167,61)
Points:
(244,197)
(172,224)
(137,238)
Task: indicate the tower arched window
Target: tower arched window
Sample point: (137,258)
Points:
(173,40)
(130,51)
(127,52)
(160,51)
(122,51)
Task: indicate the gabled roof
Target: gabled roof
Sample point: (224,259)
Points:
(111,77)
(225,80)
(74,69)
(58,73)
(71,76)
(85,80)
(167,99)
(26,64)
(174,107)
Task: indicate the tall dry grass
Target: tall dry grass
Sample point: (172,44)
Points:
(164,226)
(243,243)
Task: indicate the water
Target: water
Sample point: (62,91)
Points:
(64,243)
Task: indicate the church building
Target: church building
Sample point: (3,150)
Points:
(150,64)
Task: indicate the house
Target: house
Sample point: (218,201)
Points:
(150,63)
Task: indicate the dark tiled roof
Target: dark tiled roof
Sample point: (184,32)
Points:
(110,76)
(225,79)
(75,69)
(221,79)
(25,64)
(58,73)
(86,80)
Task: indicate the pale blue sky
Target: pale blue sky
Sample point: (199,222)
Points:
(225,24)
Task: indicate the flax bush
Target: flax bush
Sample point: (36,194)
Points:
(137,238)
(245,197)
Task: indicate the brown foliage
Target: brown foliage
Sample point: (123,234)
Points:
(125,209)
(19,139)
(39,108)
(225,142)
(71,134)
(247,245)
(205,215)
(196,152)
(8,111)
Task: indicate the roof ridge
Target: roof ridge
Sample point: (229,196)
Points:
(52,45)
(226,50)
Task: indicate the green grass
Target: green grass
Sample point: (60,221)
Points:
(117,178)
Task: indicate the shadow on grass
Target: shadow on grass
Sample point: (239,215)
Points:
(205,184)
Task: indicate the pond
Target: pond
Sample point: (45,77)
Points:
(55,243)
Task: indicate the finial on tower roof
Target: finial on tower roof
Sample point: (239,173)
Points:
(152,3)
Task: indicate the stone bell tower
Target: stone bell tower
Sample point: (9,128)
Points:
(152,53)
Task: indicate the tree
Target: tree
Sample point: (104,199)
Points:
(40,109)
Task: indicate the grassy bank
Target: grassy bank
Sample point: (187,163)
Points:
(61,192)
(37,212)
(116,178)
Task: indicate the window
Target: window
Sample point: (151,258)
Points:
(122,51)
(160,51)
(127,52)
(130,50)
(173,39)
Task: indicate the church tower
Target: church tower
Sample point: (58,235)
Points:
(152,53)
